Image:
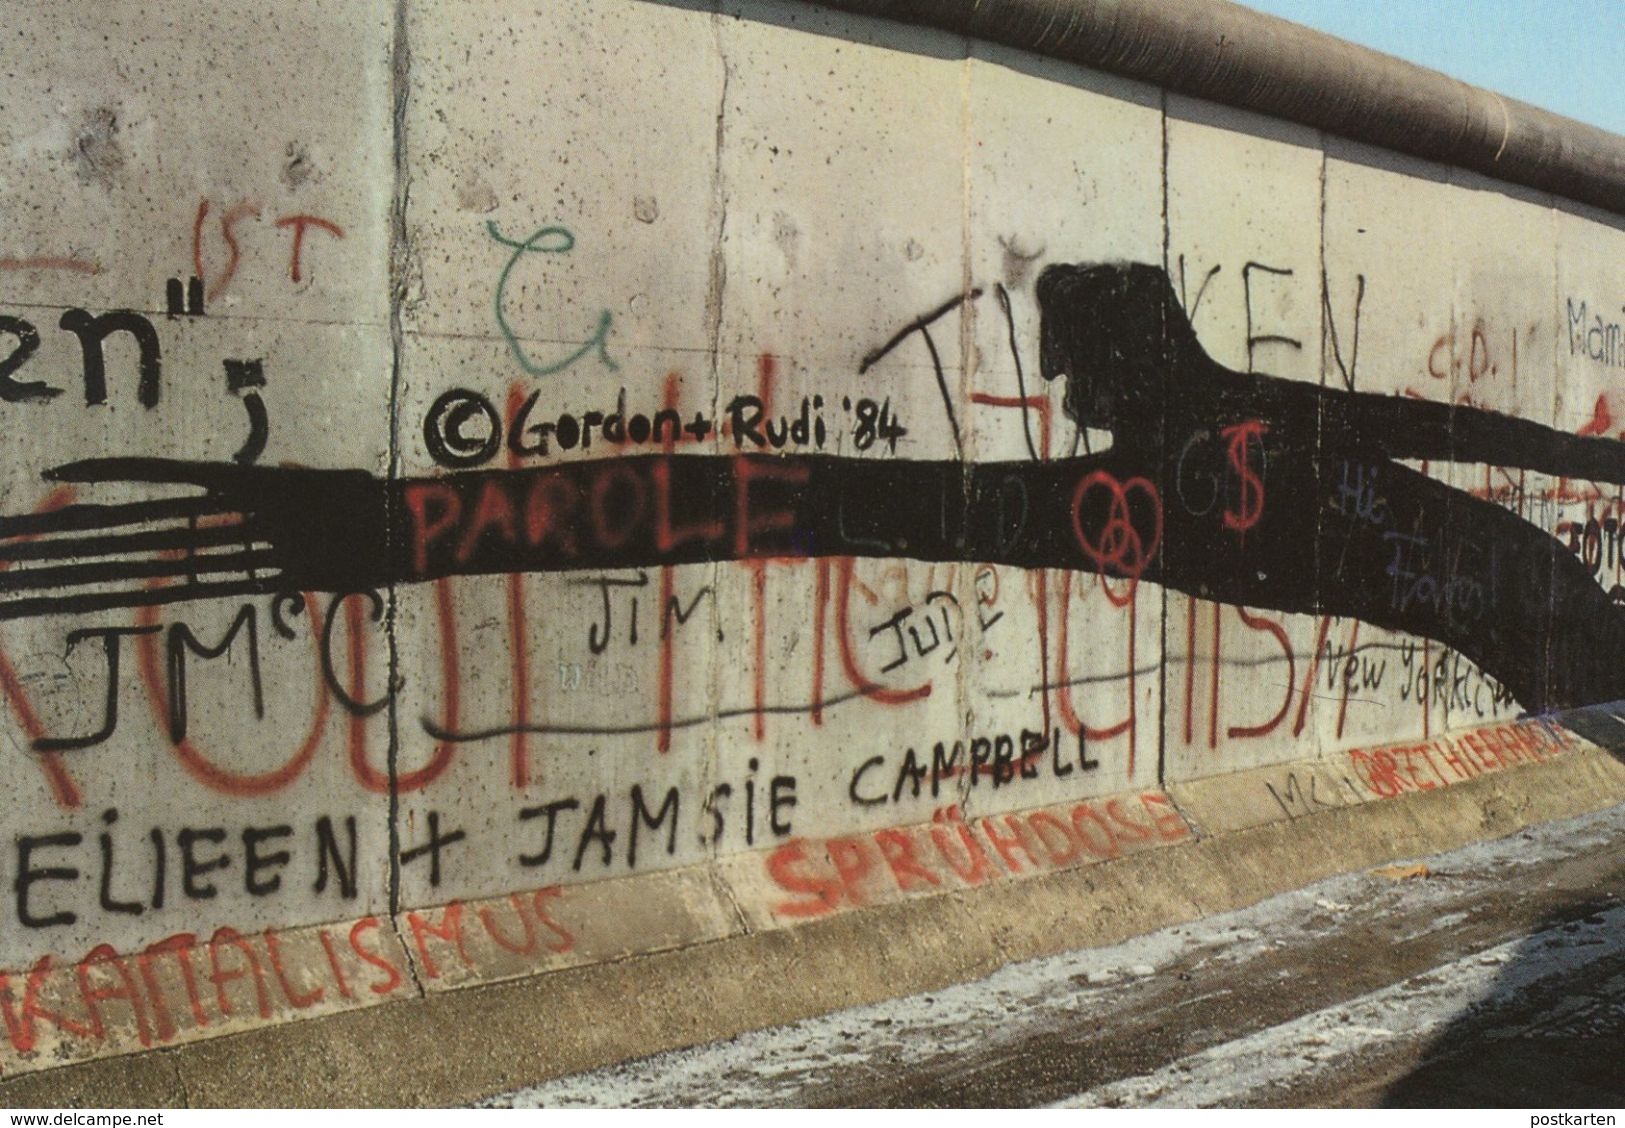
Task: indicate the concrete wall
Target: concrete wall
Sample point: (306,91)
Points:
(394,639)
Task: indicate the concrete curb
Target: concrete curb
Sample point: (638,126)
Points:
(521,1031)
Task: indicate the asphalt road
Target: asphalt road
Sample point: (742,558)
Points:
(1490,976)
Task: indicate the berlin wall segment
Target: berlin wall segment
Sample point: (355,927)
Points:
(879,621)
(631,512)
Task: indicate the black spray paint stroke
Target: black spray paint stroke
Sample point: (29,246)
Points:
(1429,560)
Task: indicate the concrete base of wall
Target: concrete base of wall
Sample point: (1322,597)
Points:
(451,1047)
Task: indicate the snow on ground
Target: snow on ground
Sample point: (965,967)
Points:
(1418,1008)
(778,1065)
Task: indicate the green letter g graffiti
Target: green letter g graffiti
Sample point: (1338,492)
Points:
(554,241)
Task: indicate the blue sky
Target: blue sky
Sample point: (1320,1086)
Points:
(1564,55)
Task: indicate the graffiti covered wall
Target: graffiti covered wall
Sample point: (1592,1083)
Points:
(491,490)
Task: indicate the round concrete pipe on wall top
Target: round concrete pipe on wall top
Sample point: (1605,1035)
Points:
(1227,53)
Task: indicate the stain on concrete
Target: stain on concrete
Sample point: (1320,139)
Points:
(1017,260)
(475,195)
(297,167)
(785,234)
(645,208)
(97,156)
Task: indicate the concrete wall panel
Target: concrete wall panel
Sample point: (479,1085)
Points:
(1063,167)
(1388,231)
(1247,269)
(177,286)
(1502,355)
(842,179)
(520,122)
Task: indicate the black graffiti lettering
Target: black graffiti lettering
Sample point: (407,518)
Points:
(598,634)
(21,391)
(943,600)
(894,624)
(1352,671)
(873,421)
(910,775)
(939,606)
(642,816)
(981,752)
(1350,371)
(744,415)
(750,803)
(781,795)
(869,422)
(521,429)
(677,615)
(193,868)
(105,898)
(987,594)
(944,763)
(183,299)
(550,813)
(857,778)
(329,667)
(449,433)
(159,866)
(122,864)
(436,844)
(1033,745)
(1000,760)
(1294,801)
(713,807)
(1410,680)
(28,876)
(242,376)
(181,640)
(1004,760)
(1191,307)
(93,331)
(109,637)
(1256,339)
(527,439)
(329,854)
(597,830)
(254,861)
(1084,761)
(1118,339)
